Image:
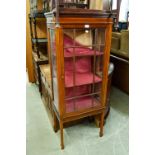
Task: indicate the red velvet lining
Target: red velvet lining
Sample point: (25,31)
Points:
(81,79)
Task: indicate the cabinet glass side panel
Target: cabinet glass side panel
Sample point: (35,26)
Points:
(83,59)
(54,67)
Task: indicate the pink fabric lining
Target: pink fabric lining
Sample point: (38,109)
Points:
(78,51)
(82,65)
(81,79)
(68,41)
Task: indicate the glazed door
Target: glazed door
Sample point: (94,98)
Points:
(84,51)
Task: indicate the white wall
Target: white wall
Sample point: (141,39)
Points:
(123,10)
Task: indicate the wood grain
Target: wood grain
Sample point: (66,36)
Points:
(29,63)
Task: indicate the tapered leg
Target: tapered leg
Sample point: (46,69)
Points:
(101,124)
(61,135)
(55,122)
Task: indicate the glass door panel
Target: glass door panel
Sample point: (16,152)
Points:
(83,67)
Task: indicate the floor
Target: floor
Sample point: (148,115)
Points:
(81,139)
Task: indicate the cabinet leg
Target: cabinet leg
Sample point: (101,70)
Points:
(101,124)
(55,127)
(61,135)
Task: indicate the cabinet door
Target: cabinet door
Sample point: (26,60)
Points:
(83,52)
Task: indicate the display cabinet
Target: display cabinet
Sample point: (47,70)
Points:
(79,58)
(79,43)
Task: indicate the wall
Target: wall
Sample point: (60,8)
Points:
(124,8)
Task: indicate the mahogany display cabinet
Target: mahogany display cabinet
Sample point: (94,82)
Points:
(79,43)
